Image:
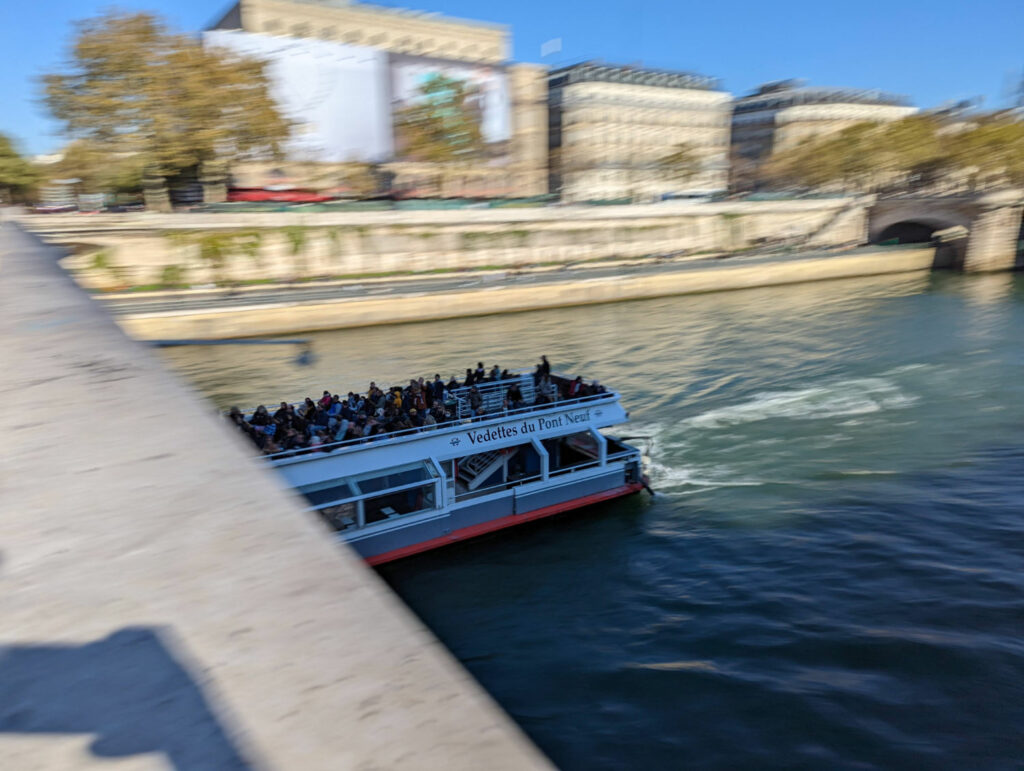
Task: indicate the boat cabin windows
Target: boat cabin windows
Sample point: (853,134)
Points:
(375,481)
(375,496)
(487,471)
(493,470)
(341,517)
(572,451)
(392,505)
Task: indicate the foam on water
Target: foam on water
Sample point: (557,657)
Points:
(858,396)
(720,448)
(692,478)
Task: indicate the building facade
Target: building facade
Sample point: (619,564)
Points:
(342,71)
(388,29)
(779,116)
(529,150)
(610,129)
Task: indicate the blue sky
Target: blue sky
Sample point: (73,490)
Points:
(931,51)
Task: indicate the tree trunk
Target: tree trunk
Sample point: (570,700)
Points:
(154,192)
(213,178)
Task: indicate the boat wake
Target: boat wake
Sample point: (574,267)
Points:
(858,396)
(691,479)
(711,449)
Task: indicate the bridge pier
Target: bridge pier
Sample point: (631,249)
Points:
(993,221)
(994,232)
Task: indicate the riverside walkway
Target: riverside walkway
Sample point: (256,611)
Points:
(164,602)
(255,312)
(130,303)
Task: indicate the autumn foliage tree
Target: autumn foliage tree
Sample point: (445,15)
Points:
(920,152)
(99,171)
(132,88)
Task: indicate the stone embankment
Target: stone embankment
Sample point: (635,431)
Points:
(179,250)
(412,301)
(165,601)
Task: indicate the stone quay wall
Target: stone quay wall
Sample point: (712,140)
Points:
(711,276)
(180,250)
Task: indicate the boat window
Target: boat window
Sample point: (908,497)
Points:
(345,516)
(325,493)
(372,484)
(375,496)
(375,481)
(335,490)
(395,504)
(572,450)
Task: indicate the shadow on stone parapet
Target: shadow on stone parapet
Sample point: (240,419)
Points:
(133,691)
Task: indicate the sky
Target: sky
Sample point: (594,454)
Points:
(932,51)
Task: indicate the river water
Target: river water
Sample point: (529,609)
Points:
(832,572)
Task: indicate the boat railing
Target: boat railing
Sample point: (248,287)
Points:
(492,392)
(459,424)
(488,389)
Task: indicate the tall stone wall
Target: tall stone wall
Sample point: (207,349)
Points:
(184,250)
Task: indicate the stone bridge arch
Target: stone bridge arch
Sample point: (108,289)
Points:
(993,221)
(915,220)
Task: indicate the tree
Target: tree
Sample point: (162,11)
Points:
(132,88)
(682,164)
(442,125)
(920,152)
(841,160)
(361,178)
(99,171)
(991,152)
(16,174)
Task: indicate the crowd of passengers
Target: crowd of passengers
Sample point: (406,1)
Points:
(419,405)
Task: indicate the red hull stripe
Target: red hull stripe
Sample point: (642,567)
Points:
(503,522)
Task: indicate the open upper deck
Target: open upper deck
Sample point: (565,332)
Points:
(493,399)
(521,397)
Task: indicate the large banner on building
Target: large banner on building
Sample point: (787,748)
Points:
(487,84)
(336,94)
(344,98)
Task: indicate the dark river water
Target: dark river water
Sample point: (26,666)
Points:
(832,572)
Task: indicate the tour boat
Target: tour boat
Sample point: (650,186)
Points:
(397,494)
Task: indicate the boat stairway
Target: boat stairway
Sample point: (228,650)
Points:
(476,469)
